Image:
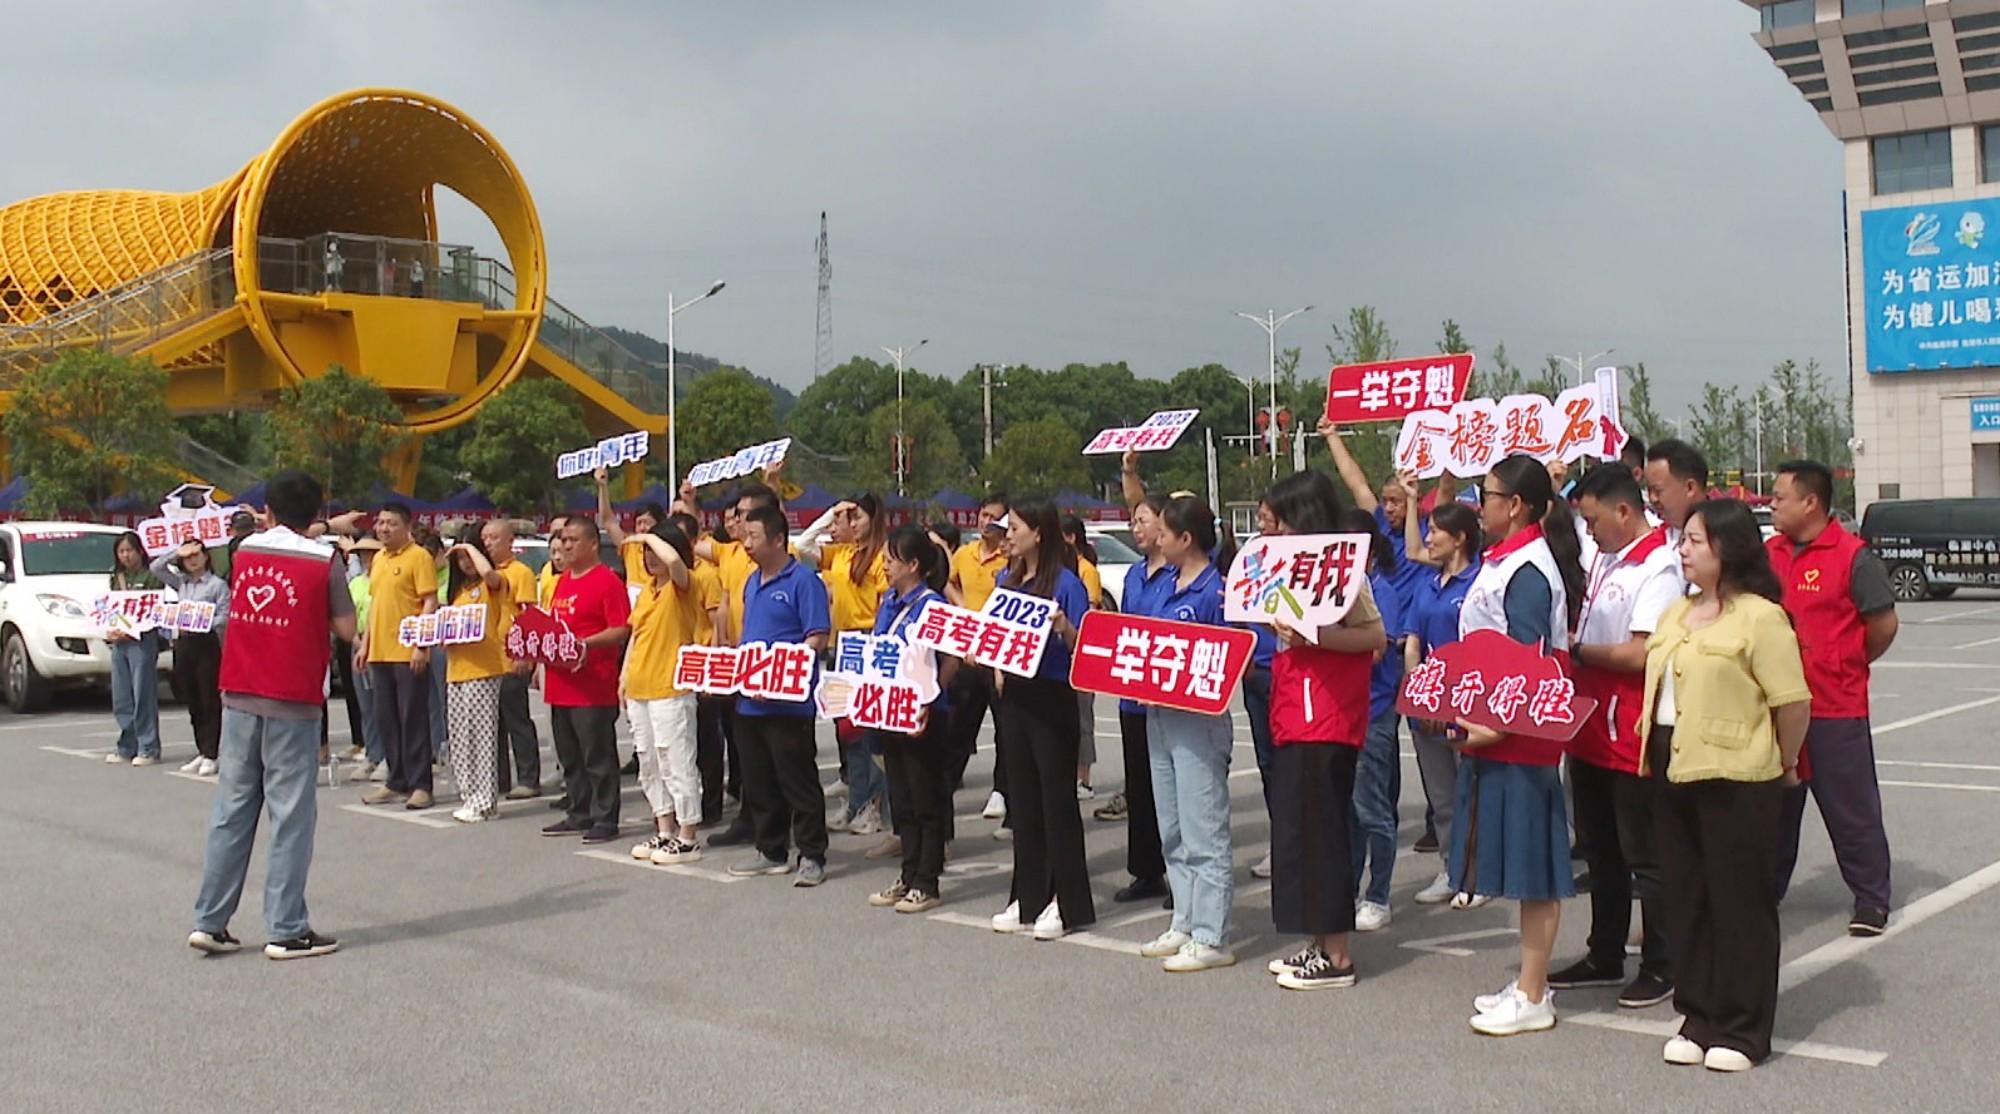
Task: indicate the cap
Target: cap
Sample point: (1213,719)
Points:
(1003,524)
(355,545)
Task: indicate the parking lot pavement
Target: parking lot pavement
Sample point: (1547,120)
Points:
(482,965)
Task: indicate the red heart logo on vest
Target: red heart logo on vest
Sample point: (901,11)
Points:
(260,595)
(1812,576)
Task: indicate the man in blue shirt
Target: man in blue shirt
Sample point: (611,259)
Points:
(783,602)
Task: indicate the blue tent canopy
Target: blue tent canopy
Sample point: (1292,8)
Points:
(467,498)
(1072,499)
(951,500)
(13,493)
(814,497)
(654,494)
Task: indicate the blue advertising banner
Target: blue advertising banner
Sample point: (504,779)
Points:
(1932,274)
(1985,413)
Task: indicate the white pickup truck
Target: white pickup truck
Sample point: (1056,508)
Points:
(50,572)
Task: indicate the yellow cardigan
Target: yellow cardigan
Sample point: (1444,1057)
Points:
(1728,676)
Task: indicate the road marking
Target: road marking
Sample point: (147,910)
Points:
(209,780)
(1829,955)
(1976,645)
(80,752)
(1935,713)
(1940,785)
(1440,945)
(47,724)
(1811,1050)
(1946,618)
(1933,665)
(1153,914)
(421,818)
(1937,765)
(1081,938)
(624,858)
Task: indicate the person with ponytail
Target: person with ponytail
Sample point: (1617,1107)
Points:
(851,566)
(1511,838)
(1038,724)
(1452,549)
(919,766)
(1319,720)
(1190,753)
(1085,558)
(1378,774)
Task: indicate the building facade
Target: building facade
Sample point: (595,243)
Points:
(1911,88)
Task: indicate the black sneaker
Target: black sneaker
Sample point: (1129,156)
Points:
(631,766)
(1583,883)
(1295,962)
(1427,844)
(599,835)
(1646,990)
(214,943)
(301,947)
(1868,922)
(1141,889)
(1319,973)
(563,827)
(735,835)
(1588,972)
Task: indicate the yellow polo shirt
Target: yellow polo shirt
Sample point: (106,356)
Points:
(476,661)
(398,585)
(976,572)
(706,582)
(851,606)
(664,619)
(1093,583)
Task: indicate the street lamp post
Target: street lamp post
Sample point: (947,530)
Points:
(673,419)
(902,465)
(1270,323)
(1250,386)
(1580,362)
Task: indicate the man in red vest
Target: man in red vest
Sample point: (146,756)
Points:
(287,599)
(1839,598)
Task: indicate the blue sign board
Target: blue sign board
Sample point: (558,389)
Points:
(1986,413)
(1932,275)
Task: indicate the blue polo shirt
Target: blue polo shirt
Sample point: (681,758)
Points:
(1072,601)
(899,611)
(1142,590)
(789,607)
(1434,619)
(1408,572)
(1267,645)
(1387,676)
(1199,602)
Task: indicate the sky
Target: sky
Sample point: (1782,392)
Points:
(1047,183)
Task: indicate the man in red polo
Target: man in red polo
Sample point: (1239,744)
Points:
(1839,598)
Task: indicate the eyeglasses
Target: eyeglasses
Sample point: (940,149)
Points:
(1485,495)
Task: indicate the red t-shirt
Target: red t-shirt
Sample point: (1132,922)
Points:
(589,604)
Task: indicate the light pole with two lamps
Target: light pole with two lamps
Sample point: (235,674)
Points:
(673,423)
(1270,323)
(901,461)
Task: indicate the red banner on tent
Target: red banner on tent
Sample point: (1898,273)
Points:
(1489,679)
(1396,388)
(1190,666)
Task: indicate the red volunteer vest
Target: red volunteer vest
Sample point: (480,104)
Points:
(1818,581)
(279,636)
(1319,696)
(1610,737)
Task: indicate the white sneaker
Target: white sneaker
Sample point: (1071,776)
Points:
(676,852)
(207,768)
(837,820)
(1725,1059)
(1438,892)
(115,759)
(866,822)
(378,772)
(1682,1051)
(1199,957)
(1487,1002)
(1515,1014)
(145,760)
(1469,901)
(466,814)
(1009,919)
(1165,944)
(1084,792)
(834,788)
(644,851)
(996,807)
(1263,867)
(1049,925)
(1371,917)
(191,765)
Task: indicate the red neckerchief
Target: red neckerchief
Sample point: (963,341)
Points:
(1527,536)
(1643,548)
(1635,553)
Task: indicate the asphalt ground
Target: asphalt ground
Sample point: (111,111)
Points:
(485,967)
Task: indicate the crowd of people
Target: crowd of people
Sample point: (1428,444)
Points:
(1729,678)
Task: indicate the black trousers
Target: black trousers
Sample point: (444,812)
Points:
(587,747)
(403,719)
(1040,737)
(1614,824)
(518,737)
(358,725)
(971,696)
(1143,857)
(711,731)
(1313,884)
(920,799)
(781,789)
(1841,754)
(1719,843)
(198,676)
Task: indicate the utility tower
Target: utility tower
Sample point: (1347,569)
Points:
(823,326)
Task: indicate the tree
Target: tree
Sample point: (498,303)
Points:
(833,414)
(1635,406)
(88,425)
(1714,426)
(1365,340)
(338,428)
(1042,456)
(725,411)
(511,452)
(935,459)
(1501,378)
(237,435)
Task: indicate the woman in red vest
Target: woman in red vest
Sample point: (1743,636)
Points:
(1319,719)
(1512,838)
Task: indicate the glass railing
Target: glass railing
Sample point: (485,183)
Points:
(130,315)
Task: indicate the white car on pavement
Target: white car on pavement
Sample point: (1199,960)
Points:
(1114,555)
(50,573)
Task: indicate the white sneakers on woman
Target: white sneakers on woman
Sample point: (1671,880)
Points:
(1195,956)
(1008,919)
(1049,926)
(1165,944)
(1513,1013)
(1371,916)
(1682,1051)
(1438,892)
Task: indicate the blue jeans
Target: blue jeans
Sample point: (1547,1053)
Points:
(1190,756)
(1257,708)
(1378,782)
(865,779)
(266,763)
(135,695)
(440,735)
(371,739)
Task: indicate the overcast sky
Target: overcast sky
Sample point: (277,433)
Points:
(1053,182)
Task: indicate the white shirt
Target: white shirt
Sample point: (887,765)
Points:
(1626,592)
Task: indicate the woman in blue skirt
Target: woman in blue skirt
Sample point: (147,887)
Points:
(1511,838)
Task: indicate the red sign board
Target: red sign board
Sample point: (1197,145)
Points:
(541,637)
(1489,679)
(1190,666)
(1396,388)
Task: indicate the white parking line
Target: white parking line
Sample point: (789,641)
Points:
(1935,713)
(1083,939)
(1946,618)
(1940,785)
(46,724)
(1934,665)
(80,752)
(1937,765)
(1811,1050)
(1976,645)
(422,818)
(624,858)
(1832,954)
(1440,945)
